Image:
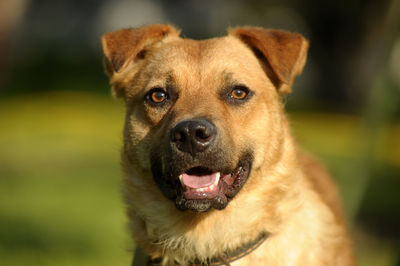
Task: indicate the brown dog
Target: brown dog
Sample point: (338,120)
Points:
(213,175)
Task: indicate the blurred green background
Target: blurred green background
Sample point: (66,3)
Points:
(60,130)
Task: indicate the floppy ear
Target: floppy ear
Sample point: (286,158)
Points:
(282,54)
(126,46)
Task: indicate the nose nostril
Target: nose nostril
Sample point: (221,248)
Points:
(202,135)
(178,136)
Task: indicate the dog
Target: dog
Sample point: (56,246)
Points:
(213,175)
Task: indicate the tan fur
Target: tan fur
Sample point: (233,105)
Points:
(287,194)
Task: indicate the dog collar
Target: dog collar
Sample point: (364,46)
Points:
(238,253)
(228,256)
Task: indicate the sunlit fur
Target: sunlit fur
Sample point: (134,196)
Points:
(287,194)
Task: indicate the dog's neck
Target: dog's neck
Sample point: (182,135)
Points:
(225,259)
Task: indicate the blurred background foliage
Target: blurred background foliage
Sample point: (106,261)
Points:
(60,130)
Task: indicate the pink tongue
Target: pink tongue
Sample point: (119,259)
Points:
(194,181)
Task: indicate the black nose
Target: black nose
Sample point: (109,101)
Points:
(193,136)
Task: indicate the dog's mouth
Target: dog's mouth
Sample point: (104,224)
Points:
(202,183)
(201,186)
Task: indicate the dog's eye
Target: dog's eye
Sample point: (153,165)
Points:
(157,95)
(239,93)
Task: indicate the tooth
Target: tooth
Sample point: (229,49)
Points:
(217,178)
(180,179)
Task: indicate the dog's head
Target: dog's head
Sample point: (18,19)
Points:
(201,115)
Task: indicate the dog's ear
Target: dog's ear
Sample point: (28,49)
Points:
(282,54)
(122,45)
(126,46)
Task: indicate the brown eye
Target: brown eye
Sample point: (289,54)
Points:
(239,93)
(158,96)
(236,94)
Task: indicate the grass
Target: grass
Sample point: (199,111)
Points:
(59,181)
(60,177)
